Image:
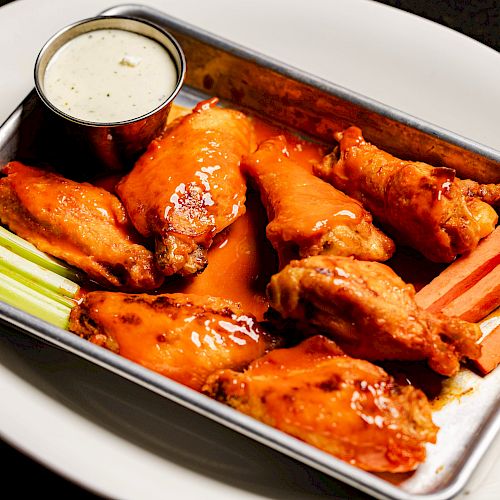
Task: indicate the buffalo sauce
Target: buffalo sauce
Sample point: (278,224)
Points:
(303,208)
(241,259)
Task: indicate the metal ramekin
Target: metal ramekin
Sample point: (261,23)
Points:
(110,146)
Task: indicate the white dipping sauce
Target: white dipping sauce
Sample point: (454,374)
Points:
(109,75)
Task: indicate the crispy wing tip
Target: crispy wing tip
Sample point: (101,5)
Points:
(82,323)
(174,255)
(489,193)
(461,335)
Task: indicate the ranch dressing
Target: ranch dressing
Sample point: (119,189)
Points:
(109,75)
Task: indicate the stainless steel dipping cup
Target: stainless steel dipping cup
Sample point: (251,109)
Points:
(108,147)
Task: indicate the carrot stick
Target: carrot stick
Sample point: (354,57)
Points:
(478,301)
(470,289)
(460,276)
(490,346)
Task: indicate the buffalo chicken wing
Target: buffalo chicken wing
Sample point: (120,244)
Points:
(82,224)
(344,406)
(422,206)
(182,336)
(188,186)
(369,312)
(307,215)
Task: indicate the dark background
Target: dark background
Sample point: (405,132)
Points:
(478,19)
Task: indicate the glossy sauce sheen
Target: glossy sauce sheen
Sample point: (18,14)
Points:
(184,337)
(300,151)
(344,406)
(422,206)
(80,223)
(110,75)
(201,156)
(241,260)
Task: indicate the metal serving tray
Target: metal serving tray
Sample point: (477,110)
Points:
(316,108)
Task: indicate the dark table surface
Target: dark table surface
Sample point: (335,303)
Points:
(479,19)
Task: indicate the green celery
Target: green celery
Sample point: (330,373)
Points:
(18,295)
(18,267)
(37,287)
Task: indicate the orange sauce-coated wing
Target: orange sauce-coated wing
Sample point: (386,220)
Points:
(425,207)
(240,263)
(241,259)
(344,406)
(184,337)
(369,312)
(82,224)
(187,186)
(307,215)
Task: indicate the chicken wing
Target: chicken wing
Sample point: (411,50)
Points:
(422,206)
(188,186)
(308,216)
(370,312)
(82,224)
(184,337)
(344,406)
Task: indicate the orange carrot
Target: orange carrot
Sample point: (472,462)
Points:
(470,289)
(461,275)
(490,347)
(478,301)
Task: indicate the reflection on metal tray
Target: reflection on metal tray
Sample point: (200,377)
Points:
(315,108)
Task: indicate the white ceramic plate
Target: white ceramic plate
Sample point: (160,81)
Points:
(119,439)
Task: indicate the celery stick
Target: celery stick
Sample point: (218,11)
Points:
(15,266)
(37,287)
(25,249)
(33,302)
